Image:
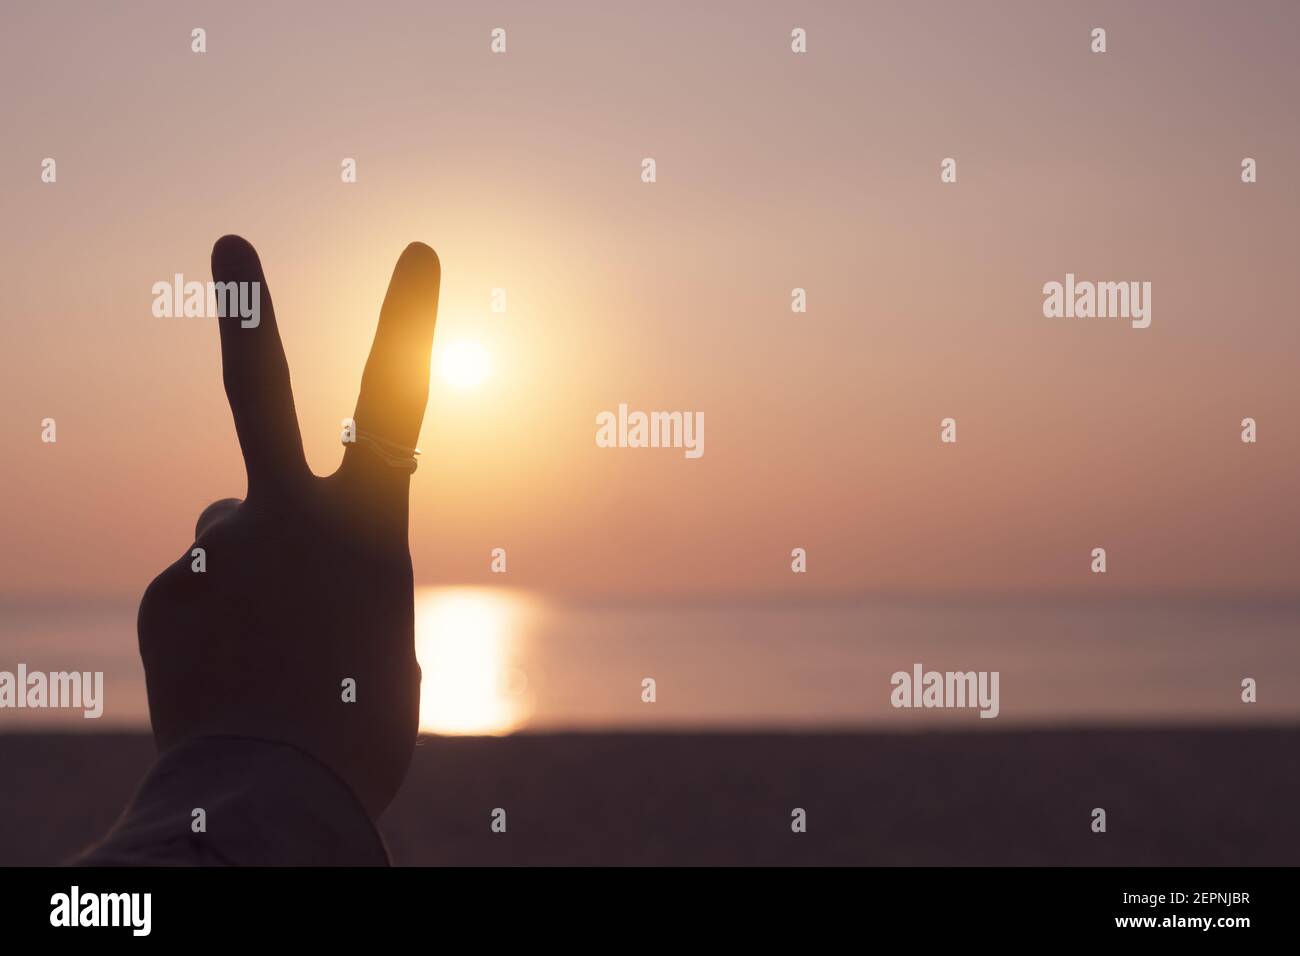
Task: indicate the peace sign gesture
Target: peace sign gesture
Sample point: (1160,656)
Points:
(305,585)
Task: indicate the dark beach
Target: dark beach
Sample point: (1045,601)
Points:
(1184,796)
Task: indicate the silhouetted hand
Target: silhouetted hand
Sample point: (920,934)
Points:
(308,580)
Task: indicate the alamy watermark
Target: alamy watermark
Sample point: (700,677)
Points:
(75,908)
(208,300)
(626,429)
(1101,300)
(922,688)
(53,690)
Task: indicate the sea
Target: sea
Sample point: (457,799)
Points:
(497,661)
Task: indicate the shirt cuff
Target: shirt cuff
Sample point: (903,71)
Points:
(264,803)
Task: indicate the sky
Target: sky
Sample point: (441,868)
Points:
(775,171)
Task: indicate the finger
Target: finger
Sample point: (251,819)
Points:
(395,384)
(256,372)
(213,513)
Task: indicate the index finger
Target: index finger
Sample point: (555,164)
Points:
(256,373)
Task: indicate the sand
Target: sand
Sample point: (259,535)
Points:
(1172,797)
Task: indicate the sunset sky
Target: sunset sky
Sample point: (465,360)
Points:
(775,171)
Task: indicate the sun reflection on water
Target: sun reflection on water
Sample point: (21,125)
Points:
(468,643)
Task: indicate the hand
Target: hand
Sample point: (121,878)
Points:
(308,580)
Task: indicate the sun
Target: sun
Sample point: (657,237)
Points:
(463,364)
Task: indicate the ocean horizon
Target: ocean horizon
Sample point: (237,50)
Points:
(498,661)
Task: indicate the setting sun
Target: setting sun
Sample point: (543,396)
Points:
(463,364)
